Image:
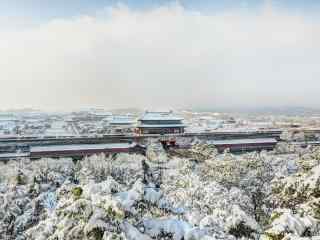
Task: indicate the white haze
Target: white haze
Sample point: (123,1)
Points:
(163,57)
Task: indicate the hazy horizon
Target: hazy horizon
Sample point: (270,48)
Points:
(182,55)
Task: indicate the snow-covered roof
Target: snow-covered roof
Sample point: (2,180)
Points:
(160,125)
(122,119)
(13,155)
(78,147)
(163,116)
(8,119)
(243,141)
(101,113)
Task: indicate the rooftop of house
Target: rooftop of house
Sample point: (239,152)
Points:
(80,147)
(243,141)
(162,116)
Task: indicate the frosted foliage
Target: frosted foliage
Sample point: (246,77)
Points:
(199,152)
(155,152)
(199,196)
(284,147)
(292,136)
(99,167)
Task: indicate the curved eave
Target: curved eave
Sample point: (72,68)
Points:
(161,126)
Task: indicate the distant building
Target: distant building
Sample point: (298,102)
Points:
(99,114)
(160,123)
(122,120)
(91,115)
(122,123)
(8,124)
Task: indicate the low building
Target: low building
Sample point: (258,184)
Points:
(244,145)
(160,123)
(4,157)
(82,150)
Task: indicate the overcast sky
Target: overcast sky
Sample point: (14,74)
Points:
(182,54)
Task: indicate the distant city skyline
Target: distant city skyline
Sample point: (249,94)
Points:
(62,55)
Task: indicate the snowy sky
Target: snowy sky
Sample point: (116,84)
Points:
(159,54)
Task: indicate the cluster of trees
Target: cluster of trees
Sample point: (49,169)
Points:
(202,195)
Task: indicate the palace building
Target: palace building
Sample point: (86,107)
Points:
(160,123)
